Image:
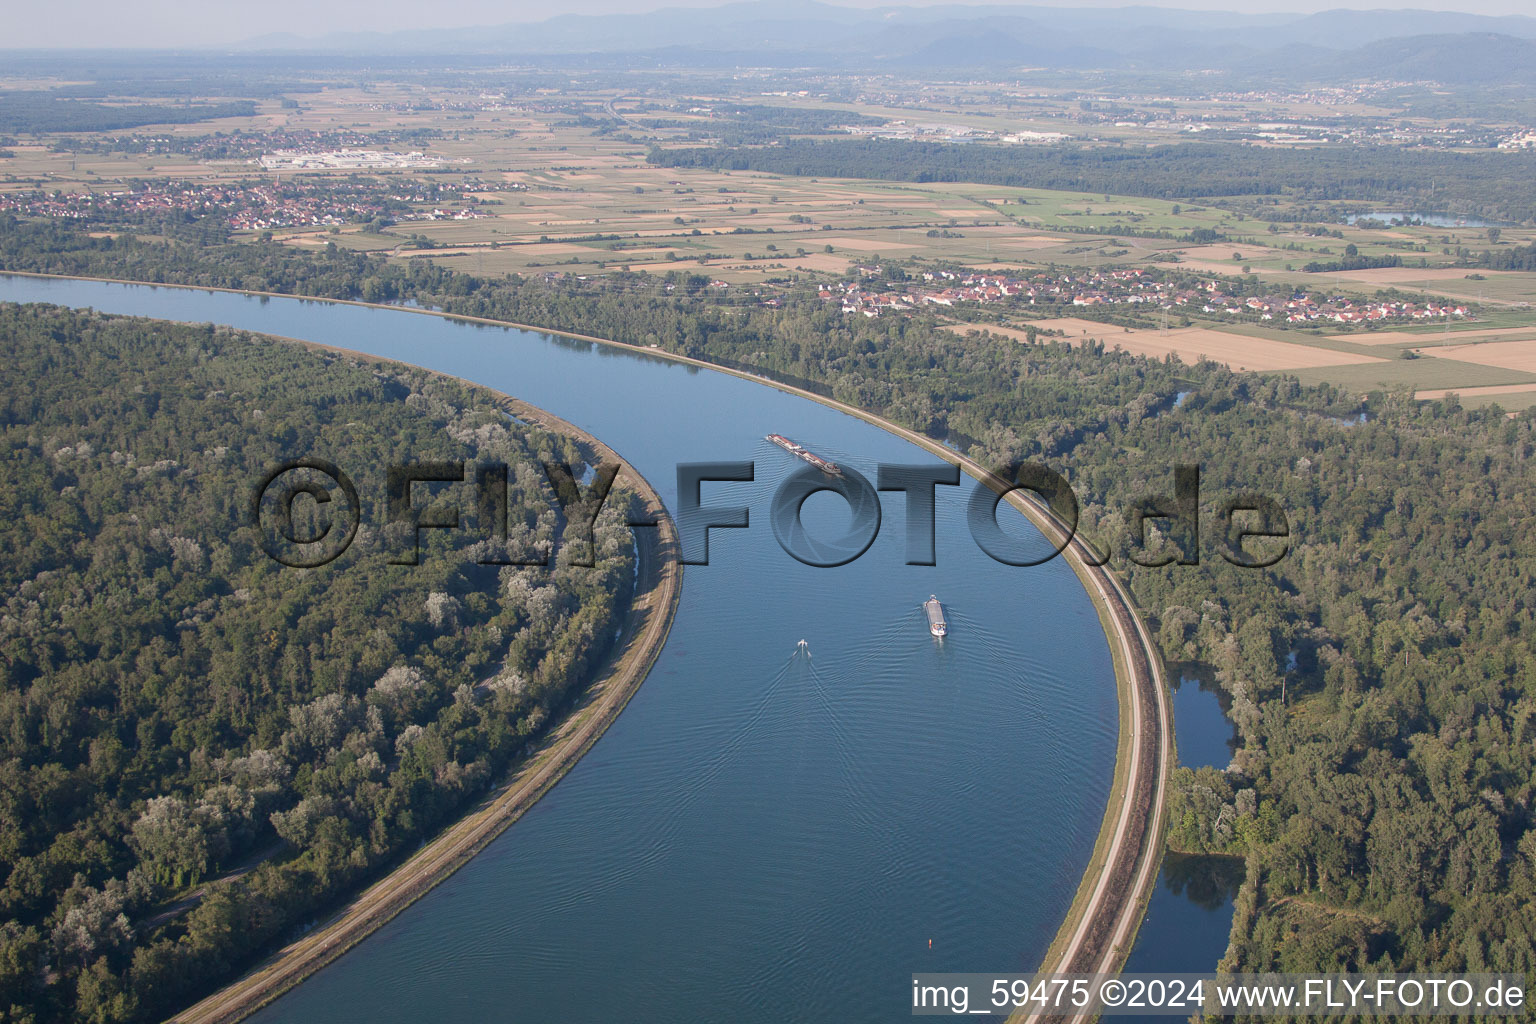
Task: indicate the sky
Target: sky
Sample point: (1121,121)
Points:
(195,23)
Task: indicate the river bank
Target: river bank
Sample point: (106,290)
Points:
(1110,899)
(653,605)
(1099,930)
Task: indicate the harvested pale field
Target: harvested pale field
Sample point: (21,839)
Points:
(820,261)
(1411,275)
(1427,338)
(1237,351)
(1027,241)
(1487,391)
(1010,232)
(1188,344)
(1215,268)
(688,262)
(546,248)
(1506,355)
(722,219)
(864,244)
(681,238)
(1076,326)
(181,168)
(1225,250)
(858,193)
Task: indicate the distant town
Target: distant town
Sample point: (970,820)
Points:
(1131,287)
(255,206)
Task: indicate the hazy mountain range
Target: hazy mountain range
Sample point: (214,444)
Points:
(1452,47)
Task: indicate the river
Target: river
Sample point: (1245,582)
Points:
(763,835)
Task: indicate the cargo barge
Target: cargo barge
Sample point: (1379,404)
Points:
(935,611)
(800,451)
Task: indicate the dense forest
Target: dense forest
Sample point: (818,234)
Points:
(1520,257)
(748,124)
(1494,186)
(1352,263)
(1382,676)
(201,750)
(46,112)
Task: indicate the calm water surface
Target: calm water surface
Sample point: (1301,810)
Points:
(762,835)
(1189,916)
(1205,735)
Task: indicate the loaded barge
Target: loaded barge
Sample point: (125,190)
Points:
(800,451)
(935,611)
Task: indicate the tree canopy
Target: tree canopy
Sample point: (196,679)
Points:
(1382,676)
(201,749)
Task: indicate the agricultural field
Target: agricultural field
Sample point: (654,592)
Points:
(1191,344)
(563,185)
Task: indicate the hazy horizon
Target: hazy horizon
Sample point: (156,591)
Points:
(96,24)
